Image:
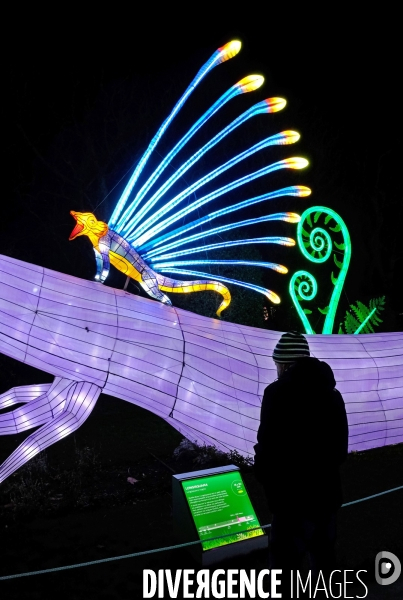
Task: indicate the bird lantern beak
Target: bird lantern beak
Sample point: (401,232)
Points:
(77,229)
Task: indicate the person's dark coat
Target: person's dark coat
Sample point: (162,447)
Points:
(302,440)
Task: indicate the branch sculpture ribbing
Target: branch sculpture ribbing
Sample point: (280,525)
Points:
(204,376)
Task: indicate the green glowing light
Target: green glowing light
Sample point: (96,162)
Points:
(366,321)
(316,245)
(306,290)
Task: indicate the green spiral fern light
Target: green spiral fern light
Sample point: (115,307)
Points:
(321,234)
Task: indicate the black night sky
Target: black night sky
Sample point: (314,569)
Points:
(84,95)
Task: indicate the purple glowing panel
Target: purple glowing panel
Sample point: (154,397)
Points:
(203,376)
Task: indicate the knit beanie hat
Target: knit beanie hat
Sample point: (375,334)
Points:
(290,347)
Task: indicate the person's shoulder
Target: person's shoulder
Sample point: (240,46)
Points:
(273,388)
(338,398)
(273,385)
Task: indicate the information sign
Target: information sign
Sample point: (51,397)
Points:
(220,505)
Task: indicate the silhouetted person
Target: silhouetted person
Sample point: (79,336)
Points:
(302,441)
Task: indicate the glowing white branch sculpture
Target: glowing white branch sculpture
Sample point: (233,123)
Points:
(203,376)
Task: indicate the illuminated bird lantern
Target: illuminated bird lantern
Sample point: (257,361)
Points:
(146,238)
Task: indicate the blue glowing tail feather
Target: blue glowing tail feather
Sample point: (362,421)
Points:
(140,243)
(123,225)
(213,61)
(127,226)
(284,241)
(161,251)
(155,245)
(147,226)
(248,263)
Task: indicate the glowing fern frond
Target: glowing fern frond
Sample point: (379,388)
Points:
(350,323)
(318,246)
(365,318)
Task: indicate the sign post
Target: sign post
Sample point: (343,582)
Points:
(211,503)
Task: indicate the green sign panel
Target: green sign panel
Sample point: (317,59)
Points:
(220,505)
